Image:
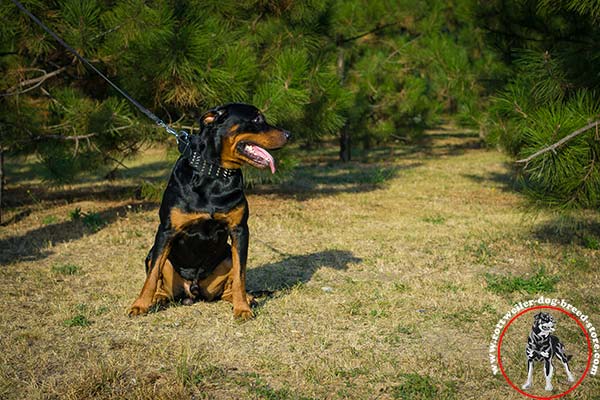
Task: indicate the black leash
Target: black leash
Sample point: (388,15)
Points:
(200,166)
(182,136)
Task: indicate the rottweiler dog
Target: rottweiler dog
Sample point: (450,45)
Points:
(543,346)
(203,207)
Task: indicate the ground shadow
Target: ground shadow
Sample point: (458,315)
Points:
(23,170)
(295,269)
(371,169)
(25,195)
(17,217)
(567,230)
(32,245)
(311,181)
(441,143)
(505,181)
(153,170)
(86,188)
(266,280)
(321,173)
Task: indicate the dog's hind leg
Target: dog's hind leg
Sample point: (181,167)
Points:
(548,372)
(570,376)
(218,284)
(564,358)
(172,286)
(213,286)
(529,381)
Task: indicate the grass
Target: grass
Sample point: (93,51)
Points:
(66,269)
(540,282)
(408,248)
(93,221)
(49,219)
(418,387)
(591,242)
(77,320)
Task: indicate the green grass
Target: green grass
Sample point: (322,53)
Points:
(591,242)
(93,221)
(75,214)
(49,220)
(77,320)
(540,282)
(151,191)
(435,219)
(418,387)
(66,269)
(482,252)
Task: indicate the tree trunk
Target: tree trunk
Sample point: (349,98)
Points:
(1,180)
(345,142)
(366,140)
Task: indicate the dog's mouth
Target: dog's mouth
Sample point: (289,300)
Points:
(258,156)
(547,328)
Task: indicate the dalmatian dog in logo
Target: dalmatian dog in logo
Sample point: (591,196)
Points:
(543,346)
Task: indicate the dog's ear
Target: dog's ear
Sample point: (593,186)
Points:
(537,316)
(211,116)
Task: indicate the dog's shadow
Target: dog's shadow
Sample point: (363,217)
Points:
(268,280)
(294,269)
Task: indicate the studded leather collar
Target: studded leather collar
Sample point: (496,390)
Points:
(206,168)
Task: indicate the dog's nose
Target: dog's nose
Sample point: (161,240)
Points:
(287,135)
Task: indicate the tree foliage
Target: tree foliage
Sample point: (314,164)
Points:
(176,57)
(382,69)
(524,71)
(551,47)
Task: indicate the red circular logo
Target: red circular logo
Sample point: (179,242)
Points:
(556,396)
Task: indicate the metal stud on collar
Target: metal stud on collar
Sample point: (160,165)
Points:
(209,169)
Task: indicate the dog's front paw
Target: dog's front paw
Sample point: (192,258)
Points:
(243,313)
(138,308)
(526,385)
(549,387)
(571,378)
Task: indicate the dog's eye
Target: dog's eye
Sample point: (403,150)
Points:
(259,119)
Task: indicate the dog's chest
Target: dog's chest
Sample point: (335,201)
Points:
(540,344)
(199,248)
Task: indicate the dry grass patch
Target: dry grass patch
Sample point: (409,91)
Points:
(382,279)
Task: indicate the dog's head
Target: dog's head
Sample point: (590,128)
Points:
(543,324)
(236,134)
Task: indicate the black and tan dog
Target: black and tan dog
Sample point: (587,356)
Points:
(203,206)
(542,346)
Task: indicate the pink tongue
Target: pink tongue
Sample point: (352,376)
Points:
(259,151)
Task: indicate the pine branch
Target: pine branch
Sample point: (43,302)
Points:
(60,137)
(34,81)
(560,142)
(376,29)
(75,138)
(544,39)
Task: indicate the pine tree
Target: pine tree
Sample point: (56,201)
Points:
(375,71)
(421,62)
(178,58)
(552,49)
